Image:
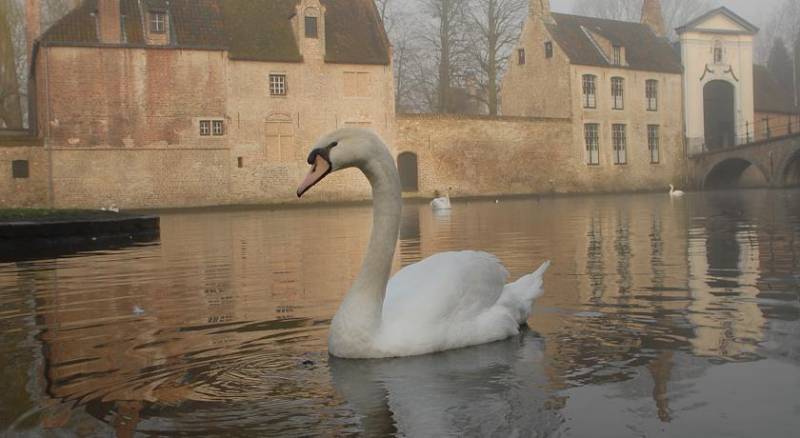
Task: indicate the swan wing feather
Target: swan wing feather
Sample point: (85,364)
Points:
(446,286)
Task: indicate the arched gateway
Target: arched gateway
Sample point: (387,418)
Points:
(718,114)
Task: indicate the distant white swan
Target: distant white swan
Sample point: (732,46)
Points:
(675,193)
(442,202)
(449,300)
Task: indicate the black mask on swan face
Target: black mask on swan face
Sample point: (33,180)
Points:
(348,147)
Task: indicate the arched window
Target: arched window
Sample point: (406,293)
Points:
(589,91)
(717,52)
(407,167)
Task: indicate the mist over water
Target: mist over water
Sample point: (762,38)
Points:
(660,317)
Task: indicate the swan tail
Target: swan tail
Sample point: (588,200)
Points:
(517,297)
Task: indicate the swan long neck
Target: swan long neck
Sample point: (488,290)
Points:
(364,302)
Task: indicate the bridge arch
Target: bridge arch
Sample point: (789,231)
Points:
(790,175)
(735,172)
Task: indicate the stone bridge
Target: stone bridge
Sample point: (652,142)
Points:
(767,163)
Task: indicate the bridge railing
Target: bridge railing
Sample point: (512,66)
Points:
(765,129)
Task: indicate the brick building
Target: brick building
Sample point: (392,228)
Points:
(619,83)
(149,103)
(775,113)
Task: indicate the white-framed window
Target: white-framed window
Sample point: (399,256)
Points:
(617,52)
(617,93)
(620,144)
(651,94)
(591,133)
(211,127)
(652,143)
(158,22)
(217,127)
(205,128)
(589,91)
(277,84)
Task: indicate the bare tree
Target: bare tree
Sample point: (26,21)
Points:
(53,10)
(446,42)
(796,71)
(784,23)
(676,12)
(495,28)
(407,59)
(780,65)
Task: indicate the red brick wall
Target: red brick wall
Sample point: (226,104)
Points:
(123,97)
(23,192)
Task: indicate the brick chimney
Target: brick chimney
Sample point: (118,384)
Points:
(651,16)
(33,24)
(109,21)
(540,9)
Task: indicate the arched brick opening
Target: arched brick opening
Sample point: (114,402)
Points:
(791,172)
(409,172)
(734,173)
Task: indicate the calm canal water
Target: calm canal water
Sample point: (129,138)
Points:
(660,318)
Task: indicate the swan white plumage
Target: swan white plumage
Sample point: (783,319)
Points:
(442,202)
(675,193)
(449,300)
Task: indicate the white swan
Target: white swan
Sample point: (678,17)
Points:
(675,193)
(442,202)
(449,300)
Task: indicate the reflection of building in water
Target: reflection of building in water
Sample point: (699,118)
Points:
(632,296)
(723,275)
(204,305)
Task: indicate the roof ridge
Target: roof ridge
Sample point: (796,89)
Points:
(589,17)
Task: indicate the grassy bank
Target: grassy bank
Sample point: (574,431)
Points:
(49,215)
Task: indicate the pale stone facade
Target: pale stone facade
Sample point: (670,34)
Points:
(717,49)
(143,126)
(546,78)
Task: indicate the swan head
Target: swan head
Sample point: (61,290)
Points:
(341,149)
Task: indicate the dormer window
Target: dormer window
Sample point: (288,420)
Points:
(158,22)
(717,52)
(617,55)
(311,27)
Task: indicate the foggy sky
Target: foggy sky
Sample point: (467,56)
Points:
(755,11)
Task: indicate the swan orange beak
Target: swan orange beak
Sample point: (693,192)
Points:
(319,170)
